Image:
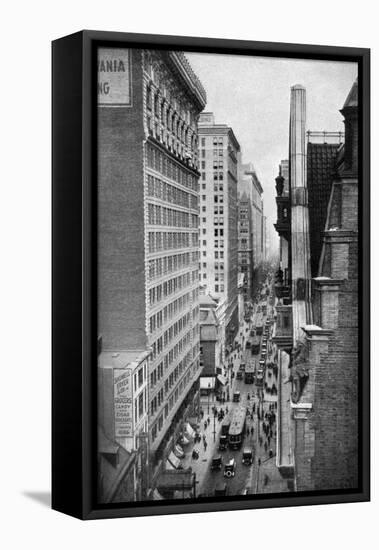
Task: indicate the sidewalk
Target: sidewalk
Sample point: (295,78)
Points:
(201,465)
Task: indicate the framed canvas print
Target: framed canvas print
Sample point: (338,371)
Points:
(210,275)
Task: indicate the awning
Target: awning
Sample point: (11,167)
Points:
(189,430)
(178,451)
(174,460)
(222,379)
(183,440)
(169,466)
(207,382)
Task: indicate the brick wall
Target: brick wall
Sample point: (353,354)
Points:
(121,278)
(209,358)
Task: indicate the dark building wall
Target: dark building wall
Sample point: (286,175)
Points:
(209,358)
(121,279)
(320,172)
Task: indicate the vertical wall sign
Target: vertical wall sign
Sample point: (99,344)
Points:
(123,409)
(113,77)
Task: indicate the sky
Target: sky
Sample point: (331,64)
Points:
(252,95)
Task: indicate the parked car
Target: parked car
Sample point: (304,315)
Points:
(247,456)
(230,468)
(216,463)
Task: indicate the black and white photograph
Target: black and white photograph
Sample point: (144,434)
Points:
(189,220)
(228,275)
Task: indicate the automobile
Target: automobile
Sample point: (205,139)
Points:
(247,456)
(239,374)
(216,463)
(220,490)
(230,468)
(236,397)
(223,443)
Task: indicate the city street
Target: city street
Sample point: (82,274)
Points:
(262,476)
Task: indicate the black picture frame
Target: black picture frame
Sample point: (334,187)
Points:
(74,335)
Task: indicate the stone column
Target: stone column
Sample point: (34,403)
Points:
(300,251)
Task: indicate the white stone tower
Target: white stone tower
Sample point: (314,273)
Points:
(300,249)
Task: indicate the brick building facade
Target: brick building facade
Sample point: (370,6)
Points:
(318,421)
(148,208)
(218,239)
(245,245)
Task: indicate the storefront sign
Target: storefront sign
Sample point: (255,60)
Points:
(123,402)
(113,77)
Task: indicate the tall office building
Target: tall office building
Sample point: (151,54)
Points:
(219,154)
(148,205)
(245,251)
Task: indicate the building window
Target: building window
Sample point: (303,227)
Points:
(140,405)
(140,377)
(203,142)
(216,288)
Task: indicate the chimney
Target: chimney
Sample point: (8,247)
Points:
(300,249)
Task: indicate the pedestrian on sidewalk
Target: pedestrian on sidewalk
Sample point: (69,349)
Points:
(265,446)
(247,431)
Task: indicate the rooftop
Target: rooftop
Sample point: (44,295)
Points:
(121,359)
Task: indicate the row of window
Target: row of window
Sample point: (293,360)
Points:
(159,215)
(166,115)
(159,241)
(170,193)
(157,320)
(161,291)
(168,264)
(217,141)
(140,406)
(159,162)
(157,348)
(158,425)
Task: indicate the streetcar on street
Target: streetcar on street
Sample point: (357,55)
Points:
(237,427)
(255,343)
(225,425)
(259,325)
(249,373)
